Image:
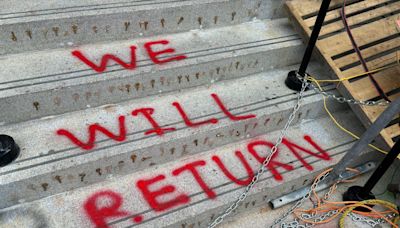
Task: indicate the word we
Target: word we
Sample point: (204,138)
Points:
(147,113)
(154,56)
(162,196)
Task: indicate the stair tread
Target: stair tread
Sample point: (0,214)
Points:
(267,90)
(28,26)
(38,137)
(51,67)
(12,12)
(58,81)
(200,208)
(45,153)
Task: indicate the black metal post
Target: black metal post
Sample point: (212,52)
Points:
(358,193)
(314,36)
(292,81)
(382,168)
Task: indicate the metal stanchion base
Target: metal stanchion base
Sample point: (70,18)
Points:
(357,193)
(293,82)
(9,150)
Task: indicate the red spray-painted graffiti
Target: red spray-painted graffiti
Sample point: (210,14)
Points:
(151,196)
(100,215)
(154,190)
(153,55)
(147,114)
(97,215)
(92,134)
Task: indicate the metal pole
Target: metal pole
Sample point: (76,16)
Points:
(314,36)
(292,81)
(382,168)
(371,133)
(298,194)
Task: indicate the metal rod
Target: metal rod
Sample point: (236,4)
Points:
(314,36)
(382,168)
(298,194)
(371,133)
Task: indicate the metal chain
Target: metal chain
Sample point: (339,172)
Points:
(299,202)
(320,218)
(343,99)
(283,132)
(261,170)
(295,223)
(356,218)
(369,221)
(323,217)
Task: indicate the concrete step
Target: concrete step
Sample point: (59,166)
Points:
(27,25)
(264,216)
(191,191)
(53,82)
(72,150)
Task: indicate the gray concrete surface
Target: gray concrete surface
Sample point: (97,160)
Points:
(54,82)
(264,216)
(200,209)
(44,88)
(37,25)
(46,155)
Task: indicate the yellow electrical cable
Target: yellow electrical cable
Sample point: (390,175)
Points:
(336,122)
(370,202)
(365,73)
(358,75)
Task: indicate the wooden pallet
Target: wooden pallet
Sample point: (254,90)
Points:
(375,27)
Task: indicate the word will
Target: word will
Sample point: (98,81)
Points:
(148,46)
(146,113)
(161,197)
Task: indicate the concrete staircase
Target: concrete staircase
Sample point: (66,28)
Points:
(153,113)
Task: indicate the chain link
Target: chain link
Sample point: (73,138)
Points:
(369,221)
(295,223)
(343,99)
(261,170)
(300,202)
(314,217)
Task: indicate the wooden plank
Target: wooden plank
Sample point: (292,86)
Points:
(373,64)
(365,34)
(393,131)
(374,111)
(388,81)
(335,14)
(375,31)
(360,18)
(307,7)
(366,53)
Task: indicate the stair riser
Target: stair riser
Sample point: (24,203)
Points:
(194,72)
(95,167)
(24,32)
